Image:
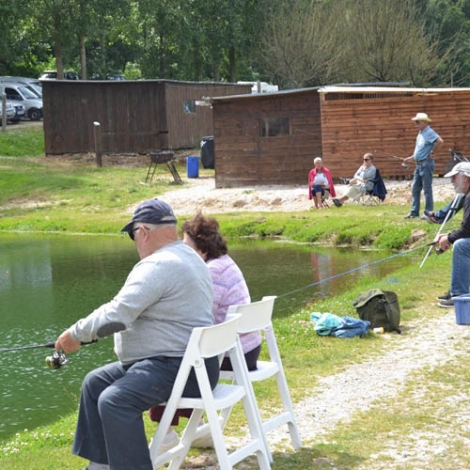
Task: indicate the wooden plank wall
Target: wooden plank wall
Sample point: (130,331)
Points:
(185,130)
(244,158)
(129,114)
(382,125)
(135,116)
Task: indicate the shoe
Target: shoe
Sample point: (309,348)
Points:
(337,203)
(410,216)
(445,296)
(446,303)
(204,442)
(430,217)
(170,440)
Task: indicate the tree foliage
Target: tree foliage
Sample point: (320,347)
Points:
(295,43)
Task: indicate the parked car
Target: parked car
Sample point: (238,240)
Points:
(52,75)
(112,76)
(10,111)
(20,111)
(19,92)
(33,83)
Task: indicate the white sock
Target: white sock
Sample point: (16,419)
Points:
(170,437)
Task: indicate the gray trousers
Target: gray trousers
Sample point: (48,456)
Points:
(110,428)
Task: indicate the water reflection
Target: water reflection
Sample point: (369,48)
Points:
(48,282)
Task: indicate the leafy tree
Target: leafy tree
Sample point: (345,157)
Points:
(299,47)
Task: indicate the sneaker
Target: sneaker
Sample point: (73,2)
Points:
(410,216)
(337,202)
(430,217)
(169,441)
(445,296)
(446,303)
(204,442)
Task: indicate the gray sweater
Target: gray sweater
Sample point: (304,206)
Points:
(165,296)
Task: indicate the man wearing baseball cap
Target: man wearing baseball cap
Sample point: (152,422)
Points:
(167,294)
(427,143)
(459,238)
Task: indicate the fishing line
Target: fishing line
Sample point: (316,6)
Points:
(321,281)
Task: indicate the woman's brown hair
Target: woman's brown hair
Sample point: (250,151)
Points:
(205,233)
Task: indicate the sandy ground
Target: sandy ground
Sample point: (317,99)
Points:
(201,194)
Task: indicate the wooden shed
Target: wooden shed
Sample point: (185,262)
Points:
(134,116)
(273,138)
(268,138)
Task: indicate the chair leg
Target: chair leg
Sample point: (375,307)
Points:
(288,407)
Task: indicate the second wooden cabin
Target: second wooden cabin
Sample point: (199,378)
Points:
(273,138)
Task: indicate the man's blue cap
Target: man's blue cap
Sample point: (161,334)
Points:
(153,211)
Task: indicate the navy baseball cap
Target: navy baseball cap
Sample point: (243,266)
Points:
(153,211)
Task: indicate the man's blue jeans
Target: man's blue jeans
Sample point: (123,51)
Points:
(460,280)
(422,181)
(110,427)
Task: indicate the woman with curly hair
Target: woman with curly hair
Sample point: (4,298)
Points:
(203,235)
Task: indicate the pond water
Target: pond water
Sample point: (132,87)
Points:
(48,282)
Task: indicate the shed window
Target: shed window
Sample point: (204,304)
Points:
(272,127)
(190,107)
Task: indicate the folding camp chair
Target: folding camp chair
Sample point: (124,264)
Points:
(258,316)
(377,194)
(204,343)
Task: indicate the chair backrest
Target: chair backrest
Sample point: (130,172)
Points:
(254,316)
(213,340)
(208,341)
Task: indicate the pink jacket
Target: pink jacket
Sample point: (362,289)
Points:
(311,178)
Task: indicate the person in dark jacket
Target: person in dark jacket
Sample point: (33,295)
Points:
(459,238)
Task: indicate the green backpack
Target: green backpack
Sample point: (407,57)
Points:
(380,308)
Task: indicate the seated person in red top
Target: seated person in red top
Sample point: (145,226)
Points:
(319,181)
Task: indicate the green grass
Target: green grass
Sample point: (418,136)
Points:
(42,195)
(22,142)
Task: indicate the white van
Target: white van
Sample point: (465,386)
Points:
(24,94)
(33,83)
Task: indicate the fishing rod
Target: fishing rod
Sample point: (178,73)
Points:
(452,209)
(58,358)
(327,279)
(403,164)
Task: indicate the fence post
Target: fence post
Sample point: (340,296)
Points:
(4,112)
(97,129)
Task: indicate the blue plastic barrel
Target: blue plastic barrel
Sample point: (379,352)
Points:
(192,166)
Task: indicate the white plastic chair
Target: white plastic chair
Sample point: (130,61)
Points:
(258,316)
(204,343)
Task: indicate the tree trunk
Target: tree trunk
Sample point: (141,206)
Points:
(232,65)
(59,60)
(83,67)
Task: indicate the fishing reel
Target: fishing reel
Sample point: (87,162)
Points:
(57,360)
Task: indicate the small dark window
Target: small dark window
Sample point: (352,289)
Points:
(190,107)
(272,127)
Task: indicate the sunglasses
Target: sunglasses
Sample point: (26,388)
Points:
(131,232)
(366,159)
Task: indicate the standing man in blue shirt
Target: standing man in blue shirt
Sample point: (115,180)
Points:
(427,144)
